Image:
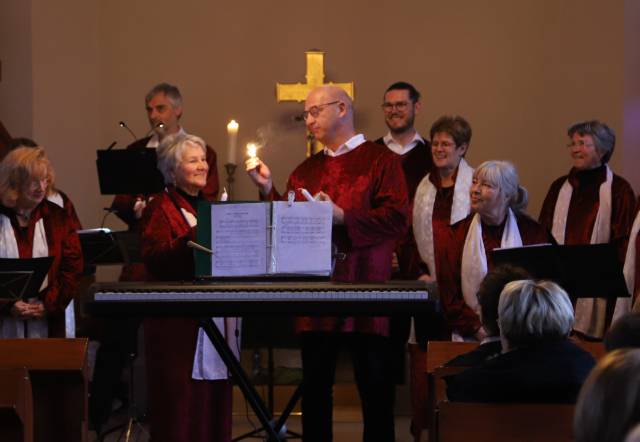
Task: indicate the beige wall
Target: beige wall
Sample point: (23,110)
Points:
(521,72)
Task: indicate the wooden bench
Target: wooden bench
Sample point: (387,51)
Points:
(480,422)
(16,405)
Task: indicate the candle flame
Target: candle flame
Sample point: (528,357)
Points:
(252,150)
(233,126)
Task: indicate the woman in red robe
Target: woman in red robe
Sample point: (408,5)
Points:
(442,199)
(590,205)
(185,405)
(498,220)
(30,227)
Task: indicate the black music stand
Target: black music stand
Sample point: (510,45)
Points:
(129,171)
(21,279)
(584,271)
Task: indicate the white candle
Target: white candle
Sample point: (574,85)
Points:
(252,150)
(232,130)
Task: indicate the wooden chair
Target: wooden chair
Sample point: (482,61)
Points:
(16,405)
(438,354)
(58,372)
(480,422)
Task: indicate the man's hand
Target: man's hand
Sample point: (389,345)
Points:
(426,278)
(481,334)
(259,174)
(338,213)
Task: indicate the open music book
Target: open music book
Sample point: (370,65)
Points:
(265,238)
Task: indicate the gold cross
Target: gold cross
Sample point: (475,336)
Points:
(299,91)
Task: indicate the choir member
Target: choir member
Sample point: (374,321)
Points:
(366,187)
(631,271)
(590,205)
(190,395)
(538,362)
(442,198)
(31,226)
(608,407)
(498,220)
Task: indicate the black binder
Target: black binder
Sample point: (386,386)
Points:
(584,271)
(129,171)
(22,278)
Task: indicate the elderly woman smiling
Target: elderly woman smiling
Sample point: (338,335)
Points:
(498,203)
(190,394)
(31,227)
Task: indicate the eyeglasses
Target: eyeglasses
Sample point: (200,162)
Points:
(443,144)
(579,143)
(314,111)
(399,105)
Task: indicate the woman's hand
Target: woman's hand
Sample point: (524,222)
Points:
(23,310)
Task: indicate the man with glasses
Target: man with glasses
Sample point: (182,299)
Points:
(364,183)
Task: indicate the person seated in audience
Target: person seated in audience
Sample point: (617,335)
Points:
(498,204)
(624,333)
(488,297)
(538,362)
(32,227)
(608,407)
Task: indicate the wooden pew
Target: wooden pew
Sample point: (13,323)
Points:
(58,372)
(479,422)
(16,406)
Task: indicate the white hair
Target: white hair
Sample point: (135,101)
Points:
(170,153)
(503,175)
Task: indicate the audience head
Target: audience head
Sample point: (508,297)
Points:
(26,178)
(400,104)
(531,312)
(592,144)
(624,333)
(328,114)
(182,160)
(450,138)
(164,109)
(22,142)
(495,187)
(489,294)
(608,406)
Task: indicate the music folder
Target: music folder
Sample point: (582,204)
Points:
(22,278)
(103,247)
(129,171)
(584,271)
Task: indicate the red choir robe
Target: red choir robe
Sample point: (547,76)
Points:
(123,206)
(368,184)
(459,316)
(583,210)
(64,245)
(69,208)
(182,409)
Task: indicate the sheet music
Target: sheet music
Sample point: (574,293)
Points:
(239,239)
(302,238)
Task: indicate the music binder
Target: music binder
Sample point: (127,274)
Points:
(129,171)
(584,271)
(22,278)
(254,239)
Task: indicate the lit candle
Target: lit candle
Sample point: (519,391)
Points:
(252,150)
(232,130)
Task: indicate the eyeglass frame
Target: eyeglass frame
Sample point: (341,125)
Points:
(399,105)
(314,111)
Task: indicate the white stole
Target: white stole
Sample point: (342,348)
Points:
(474,259)
(590,313)
(624,305)
(10,327)
(207,363)
(423,211)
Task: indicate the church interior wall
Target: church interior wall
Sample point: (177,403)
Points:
(520,72)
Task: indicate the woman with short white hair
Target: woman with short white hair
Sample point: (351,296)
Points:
(190,395)
(538,364)
(498,220)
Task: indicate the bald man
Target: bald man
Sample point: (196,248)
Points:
(365,184)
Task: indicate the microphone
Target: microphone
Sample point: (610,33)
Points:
(159,125)
(195,245)
(124,125)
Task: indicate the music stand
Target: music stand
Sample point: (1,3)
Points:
(129,171)
(21,279)
(584,271)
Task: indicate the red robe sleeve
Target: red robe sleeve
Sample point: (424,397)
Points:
(210,191)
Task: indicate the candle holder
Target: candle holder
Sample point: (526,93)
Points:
(231,170)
